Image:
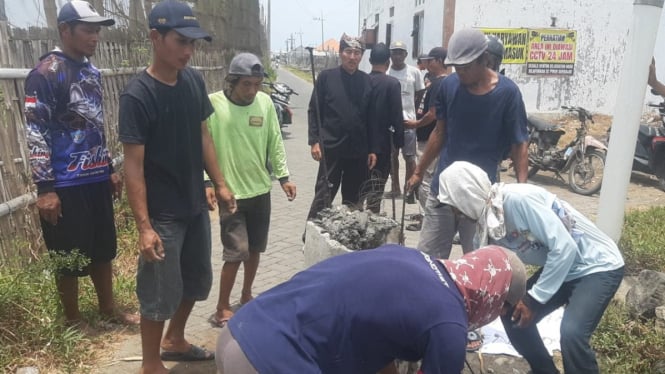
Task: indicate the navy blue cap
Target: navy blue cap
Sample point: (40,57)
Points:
(177,16)
(82,11)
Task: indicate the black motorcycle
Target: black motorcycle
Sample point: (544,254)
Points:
(583,158)
(650,148)
(280,93)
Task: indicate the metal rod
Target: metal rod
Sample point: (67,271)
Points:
(317,116)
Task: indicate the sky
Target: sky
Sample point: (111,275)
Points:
(295,16)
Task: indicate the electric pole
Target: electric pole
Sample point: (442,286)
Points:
(321,19)
(302,56)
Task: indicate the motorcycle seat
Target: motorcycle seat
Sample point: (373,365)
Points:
(647,133)
(542,125)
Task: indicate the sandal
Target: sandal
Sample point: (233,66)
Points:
(474,340)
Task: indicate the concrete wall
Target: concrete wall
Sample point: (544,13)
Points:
(602,28)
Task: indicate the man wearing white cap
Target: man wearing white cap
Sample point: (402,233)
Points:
(70,161)
(412,84)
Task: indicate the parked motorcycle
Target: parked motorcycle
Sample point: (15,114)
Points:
(583,158)
(650,148)
(280,93)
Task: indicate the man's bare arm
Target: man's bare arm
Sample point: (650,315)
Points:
(434,145)
(520,156)
(214,172)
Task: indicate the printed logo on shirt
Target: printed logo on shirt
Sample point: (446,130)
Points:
(433,266)
(255,121)
(31,101)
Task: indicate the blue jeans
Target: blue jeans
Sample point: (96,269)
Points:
(586,299)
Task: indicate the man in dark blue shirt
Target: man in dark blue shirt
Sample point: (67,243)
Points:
(357,312)
(480,114)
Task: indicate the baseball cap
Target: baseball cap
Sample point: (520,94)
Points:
(439,53)
(82,11)
(380,54)
(246,64)
(398,45)
(465,46)
(424,56)
(177,16)
(495,45)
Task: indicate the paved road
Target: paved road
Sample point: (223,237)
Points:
(284,256)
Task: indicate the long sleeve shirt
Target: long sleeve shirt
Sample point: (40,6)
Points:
(343,102)
(385,114)
(65,123)
(539,237)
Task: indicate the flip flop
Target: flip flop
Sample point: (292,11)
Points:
(214,322)
(474,340)
(195,353)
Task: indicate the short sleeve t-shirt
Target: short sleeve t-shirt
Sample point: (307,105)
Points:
(479,128)
(411,81)
(167,121)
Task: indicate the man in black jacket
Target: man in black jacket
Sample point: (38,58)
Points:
(340,141)
(385,121)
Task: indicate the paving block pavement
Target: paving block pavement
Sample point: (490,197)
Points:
(283,258)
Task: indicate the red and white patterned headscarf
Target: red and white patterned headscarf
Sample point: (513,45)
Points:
(486,278)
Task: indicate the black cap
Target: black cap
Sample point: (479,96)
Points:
(179,17)
(380,54)
(438,53)
(82,11)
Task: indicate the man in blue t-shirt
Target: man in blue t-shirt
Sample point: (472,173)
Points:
(480,116)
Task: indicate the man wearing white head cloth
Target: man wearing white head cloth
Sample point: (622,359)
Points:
(581,267)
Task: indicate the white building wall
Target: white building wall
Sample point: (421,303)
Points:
(602,29)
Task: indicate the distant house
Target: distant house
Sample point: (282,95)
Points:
(597,46)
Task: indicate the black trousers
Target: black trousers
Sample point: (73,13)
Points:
(350,173)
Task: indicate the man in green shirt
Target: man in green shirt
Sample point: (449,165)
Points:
(246,135)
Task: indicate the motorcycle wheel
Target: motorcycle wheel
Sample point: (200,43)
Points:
(586,175)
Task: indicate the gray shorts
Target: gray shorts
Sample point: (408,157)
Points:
(409,149)
(439,227)
(185,273)
(426,184)
(247,229)
(229,357)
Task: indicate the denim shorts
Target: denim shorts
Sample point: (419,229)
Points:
(245,230)
(409,148)
(184,274)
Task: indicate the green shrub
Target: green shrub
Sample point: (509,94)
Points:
(643,240)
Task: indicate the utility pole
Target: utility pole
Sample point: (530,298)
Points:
(321,19)
(302,56)
(292,39)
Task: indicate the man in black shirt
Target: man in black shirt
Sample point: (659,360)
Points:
(167,146)
(426,119)
(341,140)
(385,121)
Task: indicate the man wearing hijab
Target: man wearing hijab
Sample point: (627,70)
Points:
(357,312)
(581,267)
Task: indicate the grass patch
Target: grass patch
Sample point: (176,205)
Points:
(643,240)
(32,332)
(305,75)
(623,344)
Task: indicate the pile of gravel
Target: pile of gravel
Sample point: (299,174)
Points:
(355,230)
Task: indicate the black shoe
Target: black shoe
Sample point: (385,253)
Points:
(414,226)
(411,198)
